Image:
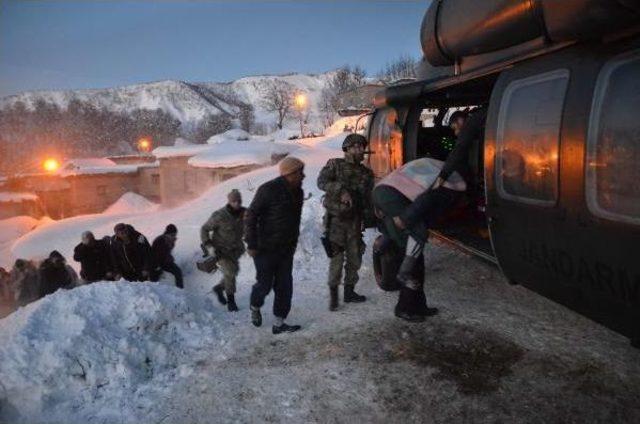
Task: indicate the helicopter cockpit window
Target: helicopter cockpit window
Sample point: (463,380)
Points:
(613,152)
(528,138)
(385,141)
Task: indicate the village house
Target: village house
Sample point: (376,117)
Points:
(90,185)
(20,203)
(187,170)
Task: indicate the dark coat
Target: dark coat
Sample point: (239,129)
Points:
(161,252)
(272,221)
(53,277)
(131,259)
(95,259)
(471,136)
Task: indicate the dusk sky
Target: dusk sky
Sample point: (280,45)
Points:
(75,44)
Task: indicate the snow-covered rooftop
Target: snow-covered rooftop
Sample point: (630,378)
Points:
(92,166)
(16,197)
(228,154)
(235,147)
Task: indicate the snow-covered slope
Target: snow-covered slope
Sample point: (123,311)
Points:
(187,102)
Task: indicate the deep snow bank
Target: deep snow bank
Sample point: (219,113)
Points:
(131,203)
(95,344)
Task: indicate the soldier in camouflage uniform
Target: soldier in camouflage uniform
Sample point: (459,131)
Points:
(348,210)
(223,233)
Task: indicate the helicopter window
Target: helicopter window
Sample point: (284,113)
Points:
(613,149)
(528,138)
(385,141)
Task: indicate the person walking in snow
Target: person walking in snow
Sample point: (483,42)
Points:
(54,274)
(223,234)
(130,254)
(94,258)
(24,282)
(163,259)
(272,228)
(348,210)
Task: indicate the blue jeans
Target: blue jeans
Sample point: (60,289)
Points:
(273,271)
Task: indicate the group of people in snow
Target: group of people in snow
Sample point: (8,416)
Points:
(403,206)
(127,254)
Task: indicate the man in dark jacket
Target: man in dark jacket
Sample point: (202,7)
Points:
(54,274)
(223,234)
(162,257)
(94,258)
(272,227)
(130,254)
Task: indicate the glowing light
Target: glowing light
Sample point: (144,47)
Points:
(144,144)
(50,165)
(300,100)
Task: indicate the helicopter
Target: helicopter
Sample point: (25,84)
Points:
(555,202)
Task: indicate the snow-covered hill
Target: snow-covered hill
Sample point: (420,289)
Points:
(185,101)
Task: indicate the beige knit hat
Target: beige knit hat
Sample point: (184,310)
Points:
(289,165)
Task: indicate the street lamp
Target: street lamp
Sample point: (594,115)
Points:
(300,101)
(144,145)
(50,165)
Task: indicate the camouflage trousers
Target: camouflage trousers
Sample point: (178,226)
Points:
(229,268)
(348,256)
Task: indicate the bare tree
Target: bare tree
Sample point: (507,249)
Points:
(345,78)
(278,97)
(403,67)
(328,106)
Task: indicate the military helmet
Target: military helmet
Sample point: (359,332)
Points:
(352,140)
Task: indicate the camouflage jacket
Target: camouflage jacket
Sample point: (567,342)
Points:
(223,230)
(339,176)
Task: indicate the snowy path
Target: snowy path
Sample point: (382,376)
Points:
(147,353)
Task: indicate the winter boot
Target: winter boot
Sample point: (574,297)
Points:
(231,303)
(219,291)
(285,328)
(351,296)
(406,275)
(421,305)
(256,316)
(333,299)
(409,317)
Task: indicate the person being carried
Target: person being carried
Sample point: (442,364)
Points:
(222,233)
(94,258)
(348,210)
(130,254)
(163,259)
(272,228)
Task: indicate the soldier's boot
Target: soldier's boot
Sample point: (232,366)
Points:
(405,273)
(256,316)
(219,291)
(350,295)
(333,299)
(231,303)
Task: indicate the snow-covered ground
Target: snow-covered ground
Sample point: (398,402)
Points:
(151,353)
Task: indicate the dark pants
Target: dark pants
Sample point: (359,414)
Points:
(273,271)
(429,206)
(171,269)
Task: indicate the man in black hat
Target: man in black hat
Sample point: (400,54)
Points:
(162,258)
(130,254)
